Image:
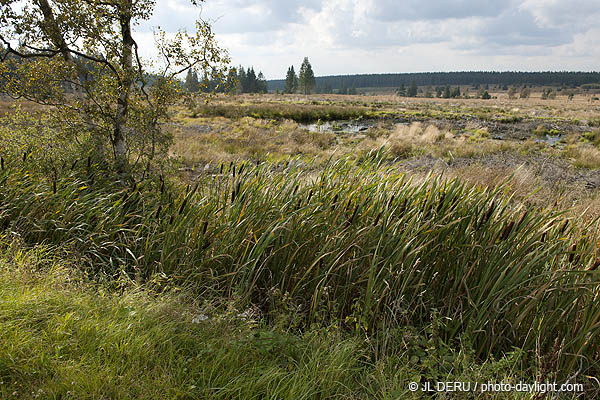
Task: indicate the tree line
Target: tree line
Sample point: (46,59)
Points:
(238,80)
(339,82)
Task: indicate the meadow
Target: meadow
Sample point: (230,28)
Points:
(311,247)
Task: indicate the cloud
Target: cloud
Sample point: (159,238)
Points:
(347,36)
(408,10)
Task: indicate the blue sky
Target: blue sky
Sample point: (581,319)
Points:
(379,36)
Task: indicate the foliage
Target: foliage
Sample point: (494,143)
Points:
(191,81)
(358,243)
(306,77)
(548,78)
(412,90)
(64,337)
(115,100)
(291,81)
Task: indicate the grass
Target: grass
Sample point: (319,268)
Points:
(64,337)
(355,243)
(273,276)
(77,341)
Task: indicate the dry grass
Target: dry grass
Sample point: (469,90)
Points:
(220,139)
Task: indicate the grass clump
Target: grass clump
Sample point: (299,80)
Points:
(65,337)
(356,244)
(78,341)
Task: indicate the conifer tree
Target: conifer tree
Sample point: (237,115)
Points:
(191,81)
(401,90)
(291,81)
(412,89)
(306,77)
(261,83)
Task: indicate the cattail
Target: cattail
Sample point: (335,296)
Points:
(241,169)
(377,219)
(572,253)
(507,230)
(233,172)
(353,214)
(89,163)
(204,228)
(295,190)
(595,266)
(74,164)
(543,239)
(2,162)
(522,219)
(309,196)
(54,186)
(347,205)
(221,169)
(390,202)
(24,156)
(162,185)
(564,228)
(158,212)
(183,204)
(334,203)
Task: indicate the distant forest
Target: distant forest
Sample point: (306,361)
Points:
(341,82)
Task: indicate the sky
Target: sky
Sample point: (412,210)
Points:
(394,36)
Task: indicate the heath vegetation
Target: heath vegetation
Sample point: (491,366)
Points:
(158,241)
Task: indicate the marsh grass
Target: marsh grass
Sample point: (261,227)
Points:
(66,337)
(358,243)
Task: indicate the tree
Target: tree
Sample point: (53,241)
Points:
(306,77)
(401,90)
(291,81)
(121,105)
(525,92)
(261,83)
(486,95)
(191,81)
(512,92)
(412,89)
(447,93)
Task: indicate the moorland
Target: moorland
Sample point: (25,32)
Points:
(322,246)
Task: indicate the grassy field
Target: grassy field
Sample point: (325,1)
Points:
(312,247)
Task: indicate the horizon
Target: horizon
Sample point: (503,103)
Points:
(447,72)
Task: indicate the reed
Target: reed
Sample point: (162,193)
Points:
(357,242)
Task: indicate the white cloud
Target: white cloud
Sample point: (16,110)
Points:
(363,36)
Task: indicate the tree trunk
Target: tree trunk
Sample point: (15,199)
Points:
(118,140)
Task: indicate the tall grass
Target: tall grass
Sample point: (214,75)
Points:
(280,111)
(355,242)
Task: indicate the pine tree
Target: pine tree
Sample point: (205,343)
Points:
(261,83)
(306,77)
(447,93)
(242,80)
(191,81)
(251,81)
(412,90)
(291,81)
(401,90)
